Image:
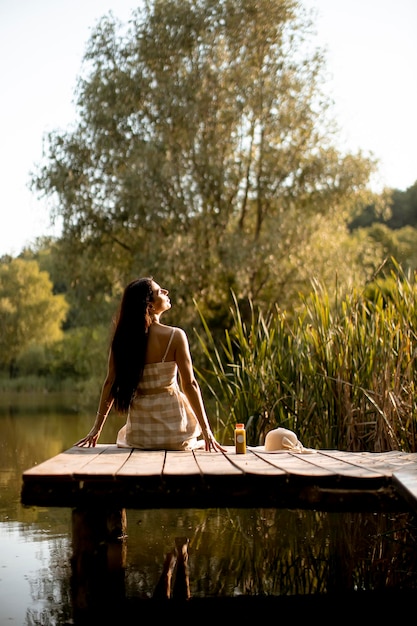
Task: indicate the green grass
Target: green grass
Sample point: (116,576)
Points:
(340,375)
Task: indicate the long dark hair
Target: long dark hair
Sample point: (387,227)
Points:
(130,340)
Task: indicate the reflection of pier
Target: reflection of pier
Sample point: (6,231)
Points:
(100,483)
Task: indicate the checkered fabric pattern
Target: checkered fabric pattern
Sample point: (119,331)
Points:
(160,416)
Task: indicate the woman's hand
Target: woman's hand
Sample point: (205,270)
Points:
(90,440)
(211,443)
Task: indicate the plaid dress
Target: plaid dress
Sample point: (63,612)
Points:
(160,416)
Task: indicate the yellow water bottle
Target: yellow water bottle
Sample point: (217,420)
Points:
(240,439)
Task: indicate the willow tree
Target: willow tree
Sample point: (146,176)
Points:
(203,151)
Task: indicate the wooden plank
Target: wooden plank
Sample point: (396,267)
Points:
(384,462)
(180,463)
(217,463)
(406,484)
(295,464)
(236,480)
(250,463)
(104,465)
(339,464)
(143,463)
(65,463)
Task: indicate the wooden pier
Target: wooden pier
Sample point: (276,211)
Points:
(130,478)
(100,483)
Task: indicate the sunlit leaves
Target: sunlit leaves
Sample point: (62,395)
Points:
(203,147)
(29,311)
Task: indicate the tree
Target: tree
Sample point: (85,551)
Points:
(90,300)
(203,152)
(403,208)
(29,311)
(398,209)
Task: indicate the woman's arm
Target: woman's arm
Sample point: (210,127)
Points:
(191,388)
(104,407)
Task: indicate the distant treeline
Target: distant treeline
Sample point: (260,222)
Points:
(403,211)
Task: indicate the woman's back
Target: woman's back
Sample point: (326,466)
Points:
(160,416)
(161,344)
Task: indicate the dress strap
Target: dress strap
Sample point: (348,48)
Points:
(169,344)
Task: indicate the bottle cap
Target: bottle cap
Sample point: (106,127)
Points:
(240,425)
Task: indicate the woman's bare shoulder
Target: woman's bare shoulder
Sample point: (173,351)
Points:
(179,333)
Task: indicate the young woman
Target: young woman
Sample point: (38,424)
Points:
(144,360)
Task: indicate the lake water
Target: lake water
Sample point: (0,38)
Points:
(232,552)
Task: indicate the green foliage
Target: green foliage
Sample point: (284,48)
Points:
(403,208)
(341,376)
(32,362)
(400,244)
(93,298)
(203,156)
(81,355)
(398,210)
(29,311)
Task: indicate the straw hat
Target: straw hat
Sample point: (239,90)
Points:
(283,439)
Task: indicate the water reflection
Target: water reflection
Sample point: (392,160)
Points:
(232,552)
(35,574)
(274,552)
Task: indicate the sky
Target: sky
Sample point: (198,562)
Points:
(371,57)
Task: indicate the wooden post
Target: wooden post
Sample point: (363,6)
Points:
(98,562)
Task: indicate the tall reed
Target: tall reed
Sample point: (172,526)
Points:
(340,374)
